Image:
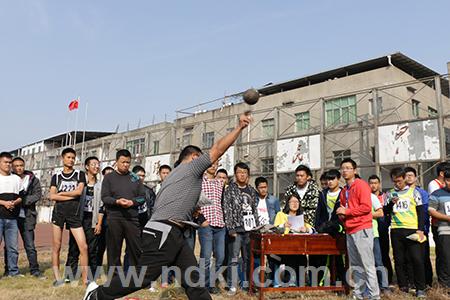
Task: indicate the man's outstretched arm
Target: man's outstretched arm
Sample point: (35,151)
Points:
(222,145)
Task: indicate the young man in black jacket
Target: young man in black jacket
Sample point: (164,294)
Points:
(122,194)
(26,222)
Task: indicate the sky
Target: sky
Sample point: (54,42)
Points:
(143,60)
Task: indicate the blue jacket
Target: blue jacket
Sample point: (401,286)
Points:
(425,200)
(273,207)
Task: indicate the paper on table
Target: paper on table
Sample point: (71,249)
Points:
(296,222)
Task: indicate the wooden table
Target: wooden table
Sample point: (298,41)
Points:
(262,244)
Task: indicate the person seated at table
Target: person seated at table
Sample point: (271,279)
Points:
(292,208)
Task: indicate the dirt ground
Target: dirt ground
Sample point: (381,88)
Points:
(30,288)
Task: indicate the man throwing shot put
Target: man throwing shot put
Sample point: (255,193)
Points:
(162,239)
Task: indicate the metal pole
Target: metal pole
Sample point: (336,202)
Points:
(322,136)
(442,148)
(376,121)
(149,144)
(275,138)
(84,131)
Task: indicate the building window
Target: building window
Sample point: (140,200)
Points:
(340,155)
(268,128)
(415,108)
(302,121)
(136,146)
(187,136)
(340,110)
(267,165)
(208,139)
(155,147)
(379,106)
(432,112)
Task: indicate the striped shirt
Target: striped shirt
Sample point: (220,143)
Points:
(440,201)
(180,191)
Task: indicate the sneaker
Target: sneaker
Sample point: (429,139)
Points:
(58,283)
(421,294)
(16,276)
(91,291)
(152,290)
(39,275)
(232,291)
(386,292)
(214,290)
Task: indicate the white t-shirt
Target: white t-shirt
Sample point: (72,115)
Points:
(263,213)
(376,205)
(302,191)
(10,184)
(434,185)
(25,182)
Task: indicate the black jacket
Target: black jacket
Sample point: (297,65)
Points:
(324,223)
(29,199)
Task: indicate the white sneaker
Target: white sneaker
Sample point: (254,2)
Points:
(232,291)
(90,290)
(152,290)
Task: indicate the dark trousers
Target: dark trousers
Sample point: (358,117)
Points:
(162,247)
(27,236)
(404,248)
(294,262)
(316,261)
(74,253)
(444,243)
(383,230)
(118,230)
(101,244)
(427,261)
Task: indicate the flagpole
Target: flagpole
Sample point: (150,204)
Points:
(84,131)
(67,130)
(76,125)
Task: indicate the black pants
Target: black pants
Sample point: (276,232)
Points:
(294,262)
(316,261)
(427,261)
(27,236)
(163,245)
(444,243)
(404,248)
(118,230)
(101,243)
(383,230)
(74,253)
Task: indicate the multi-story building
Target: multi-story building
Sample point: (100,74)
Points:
(381,112)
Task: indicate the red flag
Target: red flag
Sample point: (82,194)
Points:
(73,105)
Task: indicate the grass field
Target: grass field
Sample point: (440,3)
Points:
(31,288)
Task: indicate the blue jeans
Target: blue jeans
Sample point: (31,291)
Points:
(9,231)
(212,239)
(238,245)
(381,271)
